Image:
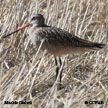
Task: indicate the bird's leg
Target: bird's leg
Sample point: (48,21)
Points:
(61,70)
(58,66)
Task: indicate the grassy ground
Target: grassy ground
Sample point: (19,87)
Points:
(26,74)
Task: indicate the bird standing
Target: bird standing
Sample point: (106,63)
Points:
(56,41)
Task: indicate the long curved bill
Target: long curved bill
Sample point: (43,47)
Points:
(21,28)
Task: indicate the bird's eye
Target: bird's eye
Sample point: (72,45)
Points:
(34,18)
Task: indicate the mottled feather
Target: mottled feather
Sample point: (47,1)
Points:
(59,42)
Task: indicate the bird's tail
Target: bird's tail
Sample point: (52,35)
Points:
(98,45)
(95,46)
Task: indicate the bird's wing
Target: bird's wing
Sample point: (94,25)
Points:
(62,37)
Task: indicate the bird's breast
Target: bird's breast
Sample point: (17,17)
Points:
(34,36)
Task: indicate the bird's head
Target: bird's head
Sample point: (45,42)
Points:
(37,20)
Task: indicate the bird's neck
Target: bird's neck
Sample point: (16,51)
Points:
(37,25)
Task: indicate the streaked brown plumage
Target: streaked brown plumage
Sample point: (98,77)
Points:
(58,42)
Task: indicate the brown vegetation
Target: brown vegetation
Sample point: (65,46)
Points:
(27,74)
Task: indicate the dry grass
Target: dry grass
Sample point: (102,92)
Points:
(28,74)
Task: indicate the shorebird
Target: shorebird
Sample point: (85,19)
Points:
(57,41)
